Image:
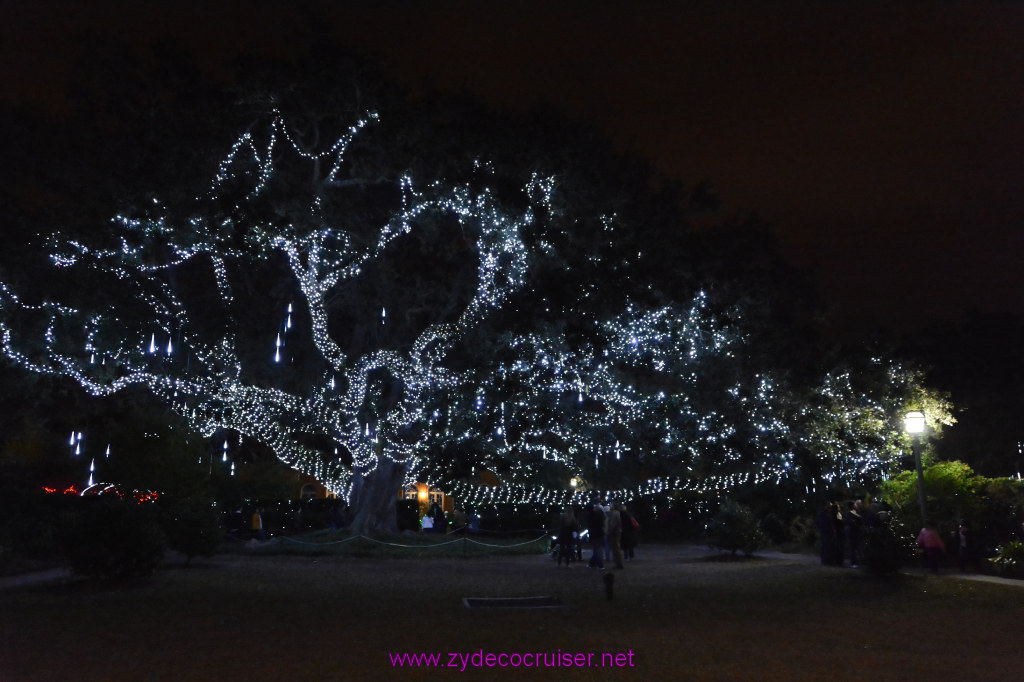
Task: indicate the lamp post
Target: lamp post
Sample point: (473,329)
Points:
(913,424)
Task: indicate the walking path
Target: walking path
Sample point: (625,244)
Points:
(977,577)
(58,575)
(52,575)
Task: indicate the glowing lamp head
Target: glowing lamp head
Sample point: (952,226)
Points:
(914,422)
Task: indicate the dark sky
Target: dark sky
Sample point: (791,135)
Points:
(884,141)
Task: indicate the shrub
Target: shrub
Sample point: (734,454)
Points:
(111,538)
(30,524)
(1009,560)
(192,526)
(883,551)
(1000,514)
(954,493)
(407,515)
(803,532)
(34,537)
(735,529)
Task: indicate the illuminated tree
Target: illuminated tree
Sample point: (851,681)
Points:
(184,295)
(849,425)
(362,326)
(657,398)
(372,327)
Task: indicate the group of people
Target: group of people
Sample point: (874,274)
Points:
(842,534)
(611,529)
(841,531)
(435,520)
(934,549)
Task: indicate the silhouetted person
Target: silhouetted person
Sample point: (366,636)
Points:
(839,530)
(629,530)
(615,535)
(830,553)
(965,546)
(595,528)
(852,527)
(568,530)
(440,520)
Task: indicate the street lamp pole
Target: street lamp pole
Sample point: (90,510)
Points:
(914,425)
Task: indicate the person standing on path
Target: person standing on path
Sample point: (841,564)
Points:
(629,529)
(965,542)
(568,530)
(615,535)
(257,524)
(852,526)
(930,541)
(596,528)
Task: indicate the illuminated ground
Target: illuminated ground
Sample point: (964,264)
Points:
(682,616)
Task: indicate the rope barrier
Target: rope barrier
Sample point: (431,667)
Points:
(395,544)
(521,544)
(320,544)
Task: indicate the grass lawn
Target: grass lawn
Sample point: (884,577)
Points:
(683,617)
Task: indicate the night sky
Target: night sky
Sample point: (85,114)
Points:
(884,141)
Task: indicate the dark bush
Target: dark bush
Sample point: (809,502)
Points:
(407,514)
(803,532)
(31,523)
(735,529)
(1009,560)
(883,551)
(111,538)
(192,526)
(36,538)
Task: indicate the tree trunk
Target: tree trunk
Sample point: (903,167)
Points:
(374,498)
